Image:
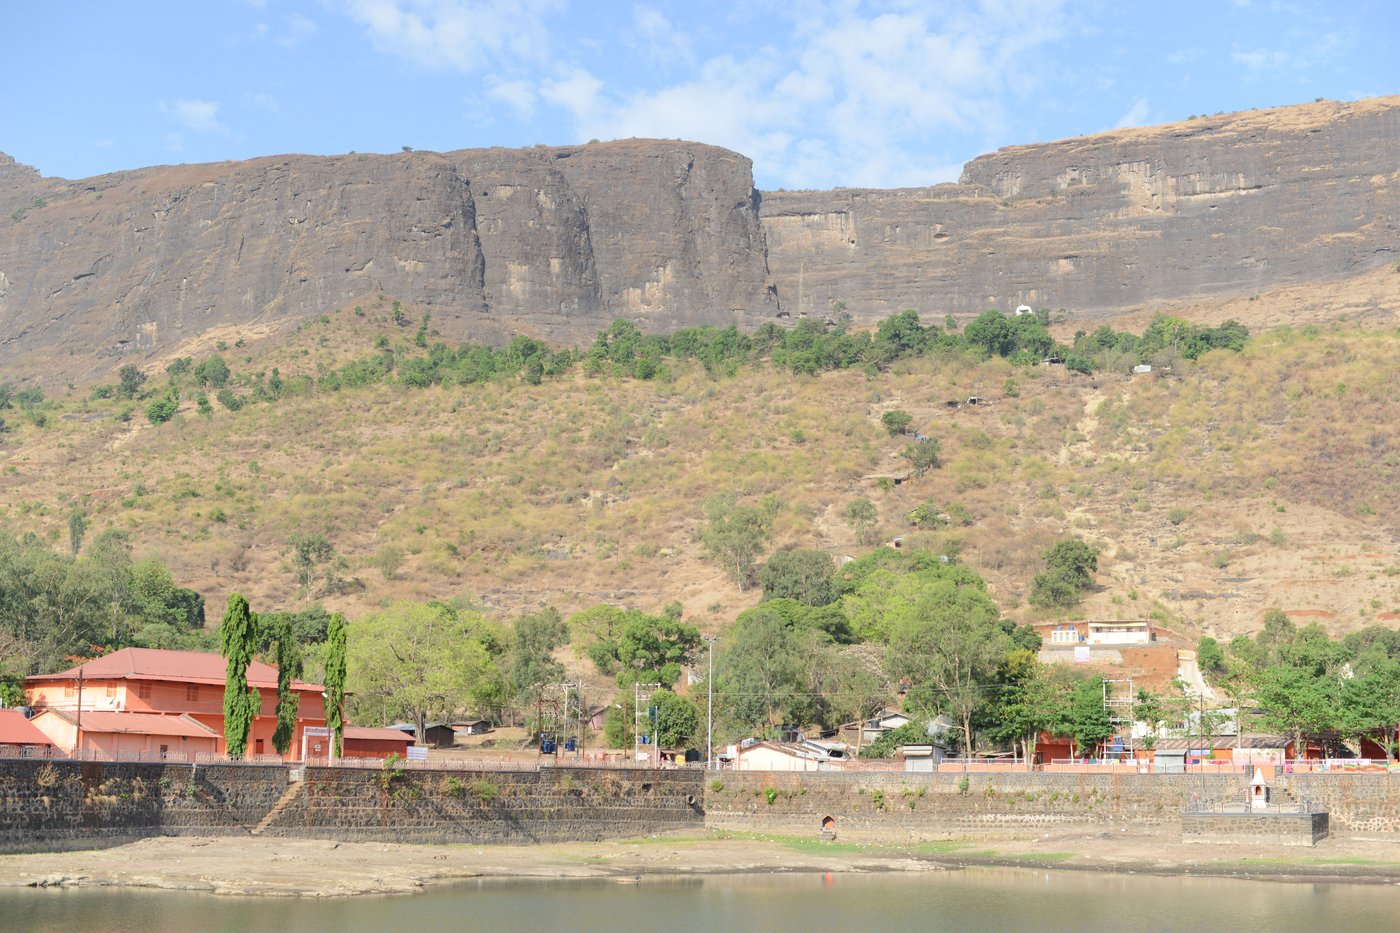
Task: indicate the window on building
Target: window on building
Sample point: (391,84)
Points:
(111,690)
(143,691)
(68,690)
(192,692)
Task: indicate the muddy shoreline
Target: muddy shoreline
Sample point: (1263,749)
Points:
(312,868)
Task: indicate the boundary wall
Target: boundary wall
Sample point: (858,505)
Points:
(46,805)
(895,805)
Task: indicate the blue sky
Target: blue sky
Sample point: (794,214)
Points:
(818,94)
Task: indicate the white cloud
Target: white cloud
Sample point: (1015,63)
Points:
(520,96)
(661,42)
(461,35)
(264,102)
(1136,115)
(861,94)
(299,29)
(197,116)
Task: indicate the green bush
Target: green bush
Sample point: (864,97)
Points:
(485,790)
(162,409)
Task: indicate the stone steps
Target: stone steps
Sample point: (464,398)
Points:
(283,802)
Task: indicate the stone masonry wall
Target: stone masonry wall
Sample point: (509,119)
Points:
(555,805)
(68,804)
(1267,829)
(920,805)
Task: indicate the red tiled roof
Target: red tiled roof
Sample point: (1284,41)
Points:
(139,723)
(198,667)
(16,730)
(369,733)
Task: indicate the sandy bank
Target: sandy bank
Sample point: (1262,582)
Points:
(240,865)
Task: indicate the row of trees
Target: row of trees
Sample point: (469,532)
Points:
(53,604)
(1304,684)
(623,350)
(240,636)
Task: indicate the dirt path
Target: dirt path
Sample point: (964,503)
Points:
(320,869)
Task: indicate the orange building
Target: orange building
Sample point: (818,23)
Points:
(152,702)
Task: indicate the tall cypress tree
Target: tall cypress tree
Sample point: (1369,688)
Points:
(335,678)
(288,671)
(238,640)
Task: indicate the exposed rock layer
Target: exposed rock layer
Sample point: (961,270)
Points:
(1215,206)
(556,242)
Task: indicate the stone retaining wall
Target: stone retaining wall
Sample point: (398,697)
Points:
(1265,828)
(69,804)
(892,804)
(554,805)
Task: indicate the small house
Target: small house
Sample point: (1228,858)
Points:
(1120,633)
(920,758)
(776,756)
(435,734)
(368,742)
(472,727)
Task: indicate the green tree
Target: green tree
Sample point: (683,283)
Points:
(131,379)
(1296,702)
(313,556)
(946,639)
(334,679)
(162,409)
(677,719)
(537,636)
(764,669)
(923,455)
(415,661)
(1370,701)
(896,422)
(238,640)
(1210,657)
(735,534)
(1069,571)
(911,733)
(801,574)
(1084,717)
(653,649)
(862,516)
(289,669)
(212,372)
(77,526)
(1023,703)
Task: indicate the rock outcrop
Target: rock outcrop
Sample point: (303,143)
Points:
(1220,205)
(552,242)
(557,242)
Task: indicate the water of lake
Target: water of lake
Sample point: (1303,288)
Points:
(971,900)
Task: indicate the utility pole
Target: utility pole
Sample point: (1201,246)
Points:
(79,743)
(710,706)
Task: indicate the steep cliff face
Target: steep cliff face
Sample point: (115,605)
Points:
(554,242)
(1219,205)
(557,242)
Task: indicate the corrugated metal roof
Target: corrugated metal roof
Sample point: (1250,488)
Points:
(200,667)
(16,730)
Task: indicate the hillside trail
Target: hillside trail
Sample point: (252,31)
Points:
(1085,428)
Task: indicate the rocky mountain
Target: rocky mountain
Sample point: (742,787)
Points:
(1223,205)
(557,242)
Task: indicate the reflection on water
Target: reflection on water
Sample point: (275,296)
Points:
(971,900)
